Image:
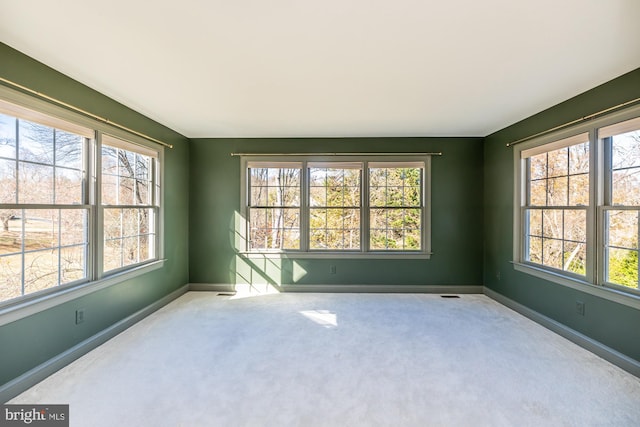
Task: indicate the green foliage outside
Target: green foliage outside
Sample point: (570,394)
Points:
(623,270)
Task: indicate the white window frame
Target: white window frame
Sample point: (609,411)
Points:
(364,251)
(594,281)
(48,114)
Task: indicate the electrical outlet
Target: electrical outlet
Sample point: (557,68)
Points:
(79,316)
(498,275)
(332,269)
(580,308)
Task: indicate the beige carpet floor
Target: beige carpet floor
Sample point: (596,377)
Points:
(340,360)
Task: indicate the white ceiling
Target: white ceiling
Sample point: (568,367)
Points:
(302,68)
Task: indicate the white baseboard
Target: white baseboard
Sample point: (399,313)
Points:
(607,353)
(32,377)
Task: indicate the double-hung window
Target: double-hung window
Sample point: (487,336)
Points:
(334,205)
(578,204)
(274,205)
(129,203)
(76,204)
(556,202)
(348,205)
(621,146)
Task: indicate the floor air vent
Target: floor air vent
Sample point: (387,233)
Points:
(449,296)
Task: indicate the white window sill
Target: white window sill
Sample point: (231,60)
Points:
(611,294)
(32,304)
(334,255)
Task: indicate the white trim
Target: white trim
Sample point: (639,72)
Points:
(42,371)
(125,144)
(619,128)
(306,161)
(613,356)
(555,145)
(28,114)
(32,305)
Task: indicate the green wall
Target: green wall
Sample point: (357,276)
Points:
(456,216)
(472,212)
(612,324)
(28,342)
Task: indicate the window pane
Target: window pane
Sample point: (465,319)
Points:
(10,276)
(377,196)
(318,196)
(579,190)
(35,184)
(626,187)
(552,253)
(258,196)
(538,166)
(274,228)
(72,264)
(623,267)
(109,160)
(378,239)
(625,153)
(73,226)
(538,193)
(131,250)
(626,150)
(68,186)
(129,236)
(557,192)
(112,254)
(69,149)
(575,258)
(579,159)
(535,222)
(40,270)
(109,189)
(7,136)
(552,223)
(275,187)
(11,231)
(394,187)
(535,250)
(318,239)
(112,223)
(575,225)
(623,228)
(126,177)
(41,229)
(36,143)
(8,181)
(558,162)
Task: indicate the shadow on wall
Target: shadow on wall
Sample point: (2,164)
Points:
(259,273)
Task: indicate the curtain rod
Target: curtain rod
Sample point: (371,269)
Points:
(573,122)
(84,112)
(335,154)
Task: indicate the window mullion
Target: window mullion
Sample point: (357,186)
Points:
(365,232)
(97,248)
(305,211)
